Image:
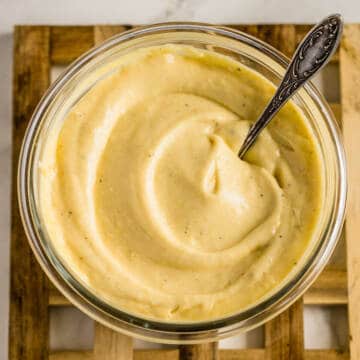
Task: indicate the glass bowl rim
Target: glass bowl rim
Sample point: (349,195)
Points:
(289,292)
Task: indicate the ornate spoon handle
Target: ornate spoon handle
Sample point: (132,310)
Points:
(311,55)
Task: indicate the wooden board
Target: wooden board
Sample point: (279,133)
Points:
(29,321)
(37,48)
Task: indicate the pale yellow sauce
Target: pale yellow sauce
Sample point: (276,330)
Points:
(147,203)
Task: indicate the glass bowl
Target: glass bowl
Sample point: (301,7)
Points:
(84,73)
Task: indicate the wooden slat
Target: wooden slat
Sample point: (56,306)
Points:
(111,345)
(326,355)
(173,354)
(28,335)
(282,37)
(330,288)
(207,351)
(72,355)
(103,32)
(336,109)
(248,29)
(350,96)
(284,334)
(163,354)
(260,354)
(243,354)
(69,42)
(58,299)
(63,38)
(296,345)
(301,31)
(284,338)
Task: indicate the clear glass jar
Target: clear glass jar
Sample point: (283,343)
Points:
(82,75)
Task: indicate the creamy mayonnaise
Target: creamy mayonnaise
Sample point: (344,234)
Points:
(147,204)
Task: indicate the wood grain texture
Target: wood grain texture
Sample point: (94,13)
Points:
(163,354)
(111,345)
(282,37)
(330,288)
(284,338)
(248,29)
(72,355)
(284,334)
(104,32)
(69,42)
(243,354)
(28,333)
(173,354)
(56,298)
(350,97)
(208,351)
(326,355)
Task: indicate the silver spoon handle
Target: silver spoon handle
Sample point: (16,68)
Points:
(311,55)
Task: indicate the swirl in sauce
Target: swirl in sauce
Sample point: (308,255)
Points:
(147,203)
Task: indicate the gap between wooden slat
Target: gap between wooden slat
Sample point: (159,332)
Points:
(243,354)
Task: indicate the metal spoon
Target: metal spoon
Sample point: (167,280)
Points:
(311,55)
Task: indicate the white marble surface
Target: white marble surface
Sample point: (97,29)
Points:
(324,327)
